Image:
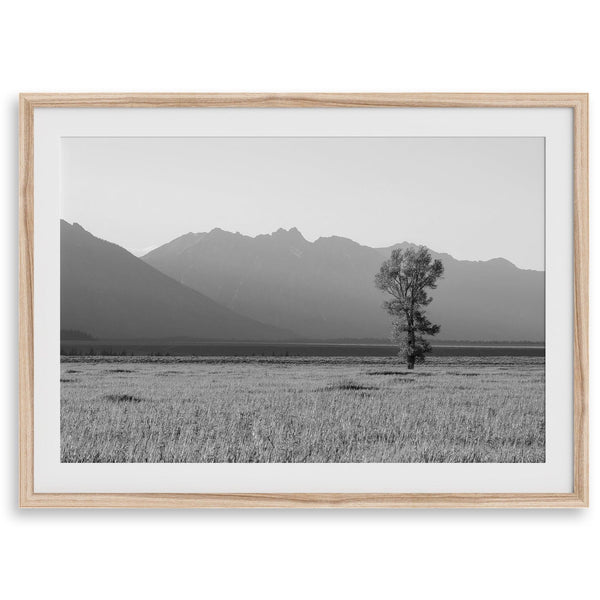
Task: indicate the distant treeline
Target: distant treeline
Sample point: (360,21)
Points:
(103,351)
(75,334)
(435,342)
(140,348)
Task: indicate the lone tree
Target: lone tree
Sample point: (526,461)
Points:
(406,276)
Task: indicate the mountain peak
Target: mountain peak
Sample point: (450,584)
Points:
(292,234)
(501,262)
(66,226)
(336,240)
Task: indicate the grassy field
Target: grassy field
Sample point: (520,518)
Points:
(302,409)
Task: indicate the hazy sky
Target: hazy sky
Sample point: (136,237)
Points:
(474,198)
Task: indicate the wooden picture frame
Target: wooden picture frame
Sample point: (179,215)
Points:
(29,103)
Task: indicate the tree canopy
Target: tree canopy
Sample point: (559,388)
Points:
(407,276)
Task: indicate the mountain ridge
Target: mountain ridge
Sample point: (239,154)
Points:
(324,289)
(108,292)
(294,230)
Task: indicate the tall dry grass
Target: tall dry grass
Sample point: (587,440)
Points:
(302,410)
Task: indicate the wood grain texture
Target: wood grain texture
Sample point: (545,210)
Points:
(25,299)
(580,495)
(302,501)
(261,100)
(580,301)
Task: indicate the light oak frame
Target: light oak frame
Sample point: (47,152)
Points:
(580,495)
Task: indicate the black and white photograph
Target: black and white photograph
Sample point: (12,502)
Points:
(297,300)
(302,300)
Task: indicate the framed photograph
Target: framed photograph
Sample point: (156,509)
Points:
(303,300)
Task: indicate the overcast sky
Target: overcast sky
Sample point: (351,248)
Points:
(474,198)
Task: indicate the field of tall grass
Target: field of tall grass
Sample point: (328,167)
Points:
(302,409)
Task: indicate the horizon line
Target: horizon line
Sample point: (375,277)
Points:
(141,252)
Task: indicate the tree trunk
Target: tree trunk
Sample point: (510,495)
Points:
(410,355)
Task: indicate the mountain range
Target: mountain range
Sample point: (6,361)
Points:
(223,286)
(108,293)
(325,290)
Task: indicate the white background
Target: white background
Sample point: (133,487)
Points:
(287,46)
